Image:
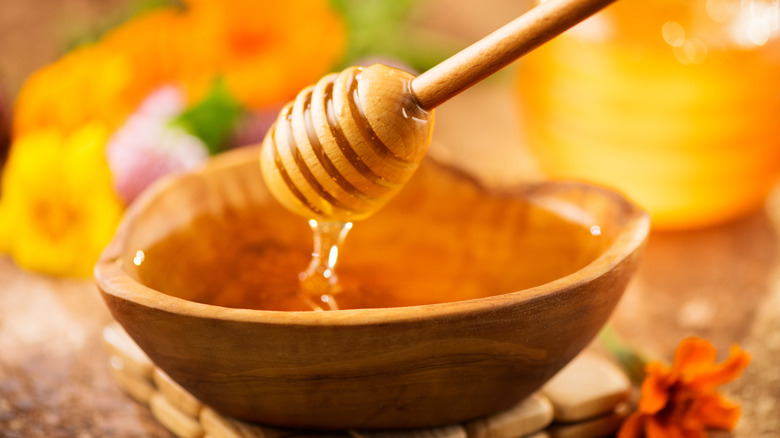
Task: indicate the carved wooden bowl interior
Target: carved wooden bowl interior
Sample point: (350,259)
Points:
(530,297)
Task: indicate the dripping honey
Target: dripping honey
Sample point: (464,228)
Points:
(318,283)
(442,239)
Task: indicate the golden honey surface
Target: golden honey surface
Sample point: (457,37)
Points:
(442,239)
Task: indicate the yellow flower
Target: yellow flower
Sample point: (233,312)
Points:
(6,228)
(58,210)
(88,84)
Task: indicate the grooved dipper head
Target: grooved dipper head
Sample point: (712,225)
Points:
(346,145)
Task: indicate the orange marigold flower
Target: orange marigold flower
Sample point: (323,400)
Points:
(166,48)
(682,400)
(264,51)
(267,51)
(89,84)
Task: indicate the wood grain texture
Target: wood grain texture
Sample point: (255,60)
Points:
(500,48)
(346,145)
(139,389)
(174,420)
(219,426)
(365,368)
(133,360)
(182,400)
(526,419)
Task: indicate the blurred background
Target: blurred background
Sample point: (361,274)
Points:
(161,85)
(674,103)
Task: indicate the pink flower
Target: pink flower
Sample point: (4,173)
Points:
(148,147)
(165,103)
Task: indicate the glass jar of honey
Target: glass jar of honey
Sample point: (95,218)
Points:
(676,103)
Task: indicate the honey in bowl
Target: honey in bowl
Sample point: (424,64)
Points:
(376,368)
(442,239)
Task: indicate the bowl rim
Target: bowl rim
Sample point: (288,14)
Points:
(113,280)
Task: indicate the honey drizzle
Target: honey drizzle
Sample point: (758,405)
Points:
(319,283)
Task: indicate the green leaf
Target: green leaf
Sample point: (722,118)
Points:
(632,361)
(382,28)
(213,118)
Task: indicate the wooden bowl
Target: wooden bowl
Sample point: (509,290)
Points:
(372,368)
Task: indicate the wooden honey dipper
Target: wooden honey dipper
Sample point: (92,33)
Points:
(346,145)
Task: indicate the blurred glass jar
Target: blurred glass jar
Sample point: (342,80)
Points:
(674,102)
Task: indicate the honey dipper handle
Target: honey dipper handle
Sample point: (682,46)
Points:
(500,48)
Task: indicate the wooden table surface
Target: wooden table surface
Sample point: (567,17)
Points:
(721,283)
